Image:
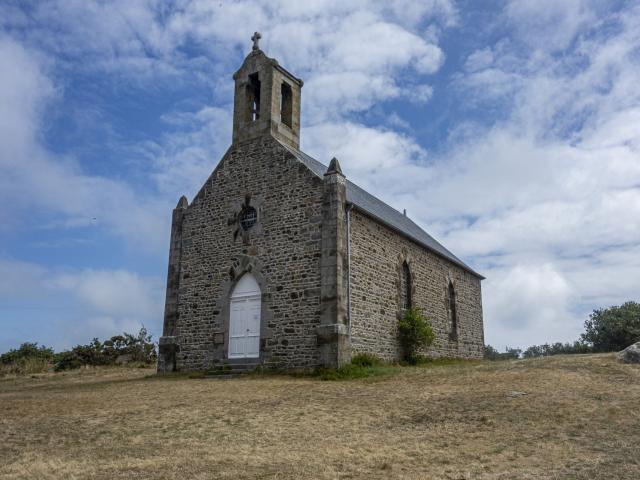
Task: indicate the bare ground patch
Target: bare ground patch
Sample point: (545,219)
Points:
(579,419)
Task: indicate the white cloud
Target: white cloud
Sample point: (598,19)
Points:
(548,24)
(142,44)
(116,292)
(349,52)
(545,200)
(23,90)
(35,180)
(527,304)
(540,297)
(363,149)
(411,12)
(553,190)
(479,60)
(64,307)
(419,93)
(350,55)
(541,193)
(19,280)
(333,95)
(183,160)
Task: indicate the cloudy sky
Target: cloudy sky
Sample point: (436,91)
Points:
(509,130)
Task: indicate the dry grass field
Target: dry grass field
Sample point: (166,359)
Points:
(580,418)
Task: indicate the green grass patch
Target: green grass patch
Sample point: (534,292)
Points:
(438,362)
(170,376)
(362,366)
(367,360)
(352,372)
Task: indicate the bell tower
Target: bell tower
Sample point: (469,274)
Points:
(267,99)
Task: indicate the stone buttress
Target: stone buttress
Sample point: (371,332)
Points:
(333,335)
(167,345)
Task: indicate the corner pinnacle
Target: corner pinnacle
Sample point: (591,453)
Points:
(334,167)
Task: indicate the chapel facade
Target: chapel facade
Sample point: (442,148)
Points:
(280,261)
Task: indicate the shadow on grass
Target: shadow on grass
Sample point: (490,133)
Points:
(352,371)
(346,372)
(360,368)
(68,381)
(425,362)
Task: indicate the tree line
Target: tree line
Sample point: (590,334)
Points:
(119,349)
(606,330)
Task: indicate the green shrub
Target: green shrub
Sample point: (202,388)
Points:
(614,328)
(136,348)
(557,348)
(362,365)
(31,358)
(366,360)
(491,353)
(81,355)
(351,372)
(422,361)
(27,350)
(68,360)
(27,359)
(415,333)
(348,371)
(25,366)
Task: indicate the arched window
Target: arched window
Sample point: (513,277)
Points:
(405,286)
(253,97)
(453,314)
(286,104)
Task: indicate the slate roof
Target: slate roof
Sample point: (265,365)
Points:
(383,213)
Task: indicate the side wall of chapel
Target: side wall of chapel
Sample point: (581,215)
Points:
(377,255)
(282,251)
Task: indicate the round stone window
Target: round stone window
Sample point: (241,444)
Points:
(248,217)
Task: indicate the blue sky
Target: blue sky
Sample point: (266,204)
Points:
(510,130)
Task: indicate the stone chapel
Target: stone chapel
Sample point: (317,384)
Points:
(280,261)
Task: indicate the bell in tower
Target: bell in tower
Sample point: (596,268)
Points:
(267,99)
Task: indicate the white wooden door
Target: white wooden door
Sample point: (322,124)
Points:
(244,319)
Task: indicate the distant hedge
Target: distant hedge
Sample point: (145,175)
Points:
(557,348)
(125,348)
(491,353)
(27,359)
(27,350)
(606,330)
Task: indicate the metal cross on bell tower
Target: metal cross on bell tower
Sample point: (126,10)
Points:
(255,39)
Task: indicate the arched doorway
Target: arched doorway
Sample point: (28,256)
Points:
(244,319)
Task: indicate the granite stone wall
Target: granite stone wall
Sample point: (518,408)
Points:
(282,251)
(377,254)
(298,253)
